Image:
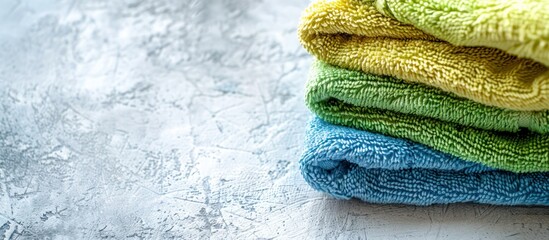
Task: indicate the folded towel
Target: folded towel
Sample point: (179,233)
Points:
(353,34)
(349,163)
(330,83)
(348,98)
(519,27)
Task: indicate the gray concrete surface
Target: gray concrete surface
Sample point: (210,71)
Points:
(180,119)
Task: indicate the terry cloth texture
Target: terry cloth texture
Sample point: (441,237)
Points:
(329,83)
(349,163)
(355,104)
(353,34)
(519,27)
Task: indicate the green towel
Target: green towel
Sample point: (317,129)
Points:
(520,27)
(430,116)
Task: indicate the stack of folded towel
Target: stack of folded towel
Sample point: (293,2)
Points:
(426,102)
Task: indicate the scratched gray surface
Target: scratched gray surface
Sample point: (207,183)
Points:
(179,119)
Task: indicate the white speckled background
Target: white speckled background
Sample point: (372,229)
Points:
(180,119)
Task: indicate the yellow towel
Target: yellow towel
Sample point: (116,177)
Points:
(352,34)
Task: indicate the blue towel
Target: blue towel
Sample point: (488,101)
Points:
(349,163)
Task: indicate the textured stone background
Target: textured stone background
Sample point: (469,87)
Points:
(179,119)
